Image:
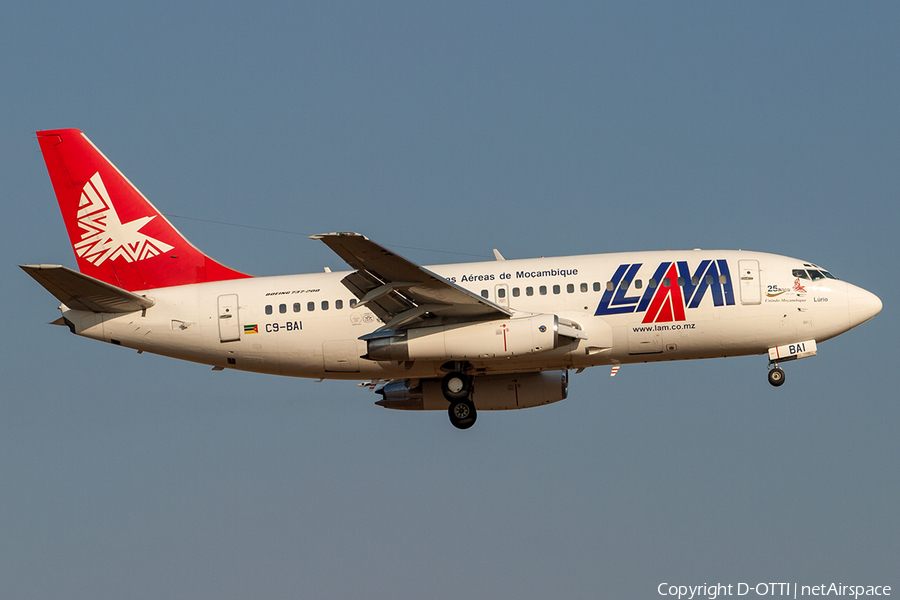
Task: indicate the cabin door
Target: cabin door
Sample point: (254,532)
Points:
(750,288)
(229,327)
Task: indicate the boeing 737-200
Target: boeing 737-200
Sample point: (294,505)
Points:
(492,335)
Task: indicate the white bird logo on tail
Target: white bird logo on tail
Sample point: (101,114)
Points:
(105,237)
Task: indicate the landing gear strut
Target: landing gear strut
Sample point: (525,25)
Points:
(776,375)
(457,388)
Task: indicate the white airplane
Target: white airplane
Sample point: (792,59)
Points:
(491,335)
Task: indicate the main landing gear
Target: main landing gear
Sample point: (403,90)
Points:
(776,375)
(457,389)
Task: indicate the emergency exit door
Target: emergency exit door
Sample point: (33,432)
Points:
(501,295)
(748,271)
(229,327)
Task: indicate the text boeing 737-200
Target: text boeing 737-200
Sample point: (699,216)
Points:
(488,336)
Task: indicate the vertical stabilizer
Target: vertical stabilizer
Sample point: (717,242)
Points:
(117,235)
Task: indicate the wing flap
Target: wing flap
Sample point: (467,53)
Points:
(399,291)
(82,292)
(363,284)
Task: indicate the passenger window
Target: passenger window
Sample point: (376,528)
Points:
(543,290)
(484,293)
(324,304)
(596,286)
(723,278)
(610,286)
(555,289)
(353,303)
(338,304)
(681,282)
(282,308)
(570,288)
(296,307)
(695,280)
(529,291)
(310,306)
(501,292)
(652,283)
(515,292)
(623,285)
(584,287)
(800,274)
(666,282)
(268,309)
(709,280)
(638,284)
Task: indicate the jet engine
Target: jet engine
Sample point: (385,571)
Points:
(491,339)
(489,392)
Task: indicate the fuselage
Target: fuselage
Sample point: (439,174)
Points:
(497,335)
(629,307)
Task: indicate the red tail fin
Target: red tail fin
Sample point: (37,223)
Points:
(117,235)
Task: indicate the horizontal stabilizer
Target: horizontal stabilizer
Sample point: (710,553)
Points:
(81,292)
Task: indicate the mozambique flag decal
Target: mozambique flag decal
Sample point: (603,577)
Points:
(251,328)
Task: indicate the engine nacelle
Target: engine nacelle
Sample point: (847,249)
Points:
(503,338)
(489,392)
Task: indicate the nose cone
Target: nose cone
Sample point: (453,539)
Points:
(861,305)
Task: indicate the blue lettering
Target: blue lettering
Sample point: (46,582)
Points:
(689,288)
(648,294)
(604,307)
(726,287)
(620,299)
(710,275)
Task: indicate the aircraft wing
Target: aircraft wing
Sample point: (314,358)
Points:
(82,292)
(400,292)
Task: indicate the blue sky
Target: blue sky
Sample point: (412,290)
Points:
(444,131)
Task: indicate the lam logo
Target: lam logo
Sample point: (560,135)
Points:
(104,235)
(672,289)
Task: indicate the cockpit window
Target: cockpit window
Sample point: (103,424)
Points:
(816,275)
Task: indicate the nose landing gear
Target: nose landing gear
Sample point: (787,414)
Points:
(776,375)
